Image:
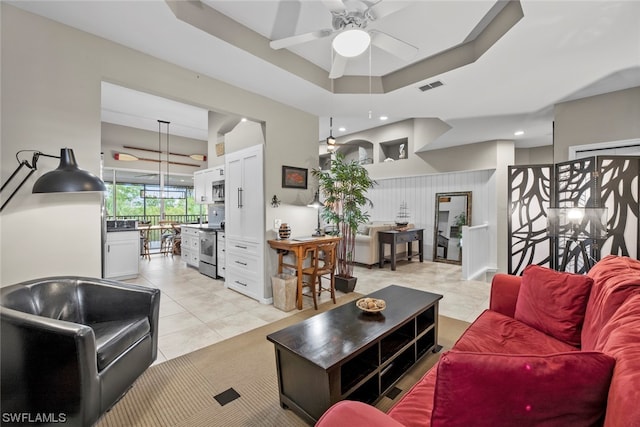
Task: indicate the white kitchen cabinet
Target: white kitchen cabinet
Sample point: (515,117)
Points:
(122,255)
(244,219)
(222,254)
(208,185)
(190,245)
(244,223)
(199,188)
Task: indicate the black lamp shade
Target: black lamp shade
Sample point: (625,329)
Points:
(68,177)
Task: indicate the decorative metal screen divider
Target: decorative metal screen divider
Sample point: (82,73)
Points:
(619,193)
(575,187)
(610,182)
(529,199)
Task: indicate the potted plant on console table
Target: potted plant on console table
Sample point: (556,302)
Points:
(345,188)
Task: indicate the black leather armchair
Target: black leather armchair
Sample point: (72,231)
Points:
(73,346)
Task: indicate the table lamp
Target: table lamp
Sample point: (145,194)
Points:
(317,205)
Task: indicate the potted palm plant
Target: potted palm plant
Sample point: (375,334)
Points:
(345,187)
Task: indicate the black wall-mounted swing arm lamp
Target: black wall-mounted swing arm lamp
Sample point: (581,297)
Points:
(67,178)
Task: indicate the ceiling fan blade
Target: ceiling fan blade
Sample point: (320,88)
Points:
(336,6)
(286,19)
(338,66)
(393,45)
(300,38)
(384,8)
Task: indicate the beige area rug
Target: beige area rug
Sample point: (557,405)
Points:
(180,391)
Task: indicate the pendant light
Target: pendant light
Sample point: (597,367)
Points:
(331,141)
(161,177)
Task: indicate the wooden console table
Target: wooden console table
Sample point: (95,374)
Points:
(299,248)
(345,353)
(393,238)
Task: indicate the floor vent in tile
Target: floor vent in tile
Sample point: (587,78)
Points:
(226,396)
(393,393)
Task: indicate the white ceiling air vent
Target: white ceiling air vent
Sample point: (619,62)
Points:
(431,85)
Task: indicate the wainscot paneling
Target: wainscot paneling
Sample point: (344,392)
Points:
(419,193)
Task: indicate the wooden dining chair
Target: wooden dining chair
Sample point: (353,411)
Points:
(323,265)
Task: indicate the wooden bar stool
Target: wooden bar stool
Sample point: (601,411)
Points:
(167,236)
(176,248)
(144,240)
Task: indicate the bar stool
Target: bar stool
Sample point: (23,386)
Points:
(177,240)
(166,239)
(322,265)
(144,240)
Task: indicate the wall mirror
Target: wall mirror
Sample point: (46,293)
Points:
(453,210)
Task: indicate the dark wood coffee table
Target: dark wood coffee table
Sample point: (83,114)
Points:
(345,353)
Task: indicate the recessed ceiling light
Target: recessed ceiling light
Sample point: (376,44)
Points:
(383,117)
(342,128)
(244,119)
(518,132)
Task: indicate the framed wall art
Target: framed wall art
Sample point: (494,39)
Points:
(293,177)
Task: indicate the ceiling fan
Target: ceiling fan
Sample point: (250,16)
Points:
(351,37)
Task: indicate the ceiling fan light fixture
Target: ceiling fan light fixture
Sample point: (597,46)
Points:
(351,43)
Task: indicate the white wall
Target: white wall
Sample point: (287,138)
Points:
(534,155)
(419,132)
(490,155)
(114,137)
(245,134)
(419,192)
(602,118)
(51,79)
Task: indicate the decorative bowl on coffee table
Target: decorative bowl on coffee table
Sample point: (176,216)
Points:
(371,305)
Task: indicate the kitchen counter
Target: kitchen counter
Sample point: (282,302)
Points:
(121,225)
(203,227)
(119,229)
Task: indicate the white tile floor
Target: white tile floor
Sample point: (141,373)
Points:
(196,311)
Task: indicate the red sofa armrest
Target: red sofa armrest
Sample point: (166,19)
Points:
(355,414)
(504,293)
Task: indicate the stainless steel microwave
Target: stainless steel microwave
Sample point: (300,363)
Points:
(217,191)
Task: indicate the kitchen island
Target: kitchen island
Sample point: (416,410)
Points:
(121,250)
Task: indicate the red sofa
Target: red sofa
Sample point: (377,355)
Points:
(553,349)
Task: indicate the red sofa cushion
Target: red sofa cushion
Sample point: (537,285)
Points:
(615,279)
(481,389)
(553,302)
(414,408)
(493,332)
(504,293)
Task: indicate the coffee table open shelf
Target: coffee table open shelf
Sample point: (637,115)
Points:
(347,354)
